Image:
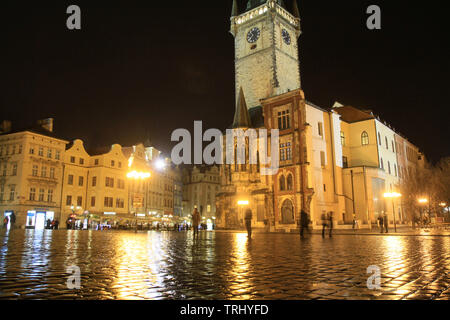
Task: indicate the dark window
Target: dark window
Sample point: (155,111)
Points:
(282,182)
(345,162)
(69,201)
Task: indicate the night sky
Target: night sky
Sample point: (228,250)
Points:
(140,69)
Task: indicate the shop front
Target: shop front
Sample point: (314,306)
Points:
(38,219)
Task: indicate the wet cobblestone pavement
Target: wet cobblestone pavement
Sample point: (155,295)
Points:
(222,265)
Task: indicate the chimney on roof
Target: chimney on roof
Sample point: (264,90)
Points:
(5,126)
(47,124)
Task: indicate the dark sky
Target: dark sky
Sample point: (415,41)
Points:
(141,69)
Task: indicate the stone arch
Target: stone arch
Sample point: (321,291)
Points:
(287,212)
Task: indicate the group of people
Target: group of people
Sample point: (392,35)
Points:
(52,224)
(383,222)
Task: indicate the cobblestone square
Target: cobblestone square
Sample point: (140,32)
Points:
(220,265)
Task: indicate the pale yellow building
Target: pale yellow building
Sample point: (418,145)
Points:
(95,188)
(31,170)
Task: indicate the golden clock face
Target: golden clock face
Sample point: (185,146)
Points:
(286,36)
(253,35)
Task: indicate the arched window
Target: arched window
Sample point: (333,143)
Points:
(381,164)
(287,212)
(364,138)
(379,138)
(389,167)
(282,183)
(387,144)
(289,182)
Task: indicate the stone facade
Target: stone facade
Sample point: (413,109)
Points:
(267,66)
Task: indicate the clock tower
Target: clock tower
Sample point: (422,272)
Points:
(266,49)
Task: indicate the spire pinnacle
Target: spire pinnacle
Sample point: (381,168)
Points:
(295,10)
(241,116)
(235,9)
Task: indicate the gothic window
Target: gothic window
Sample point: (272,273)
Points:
(379,138)
(389,167)
(342,138)
(282,182)
(364,138)
(289,182)
(287,212)
(393,149)
(387,145)
(381,164)
(284,120)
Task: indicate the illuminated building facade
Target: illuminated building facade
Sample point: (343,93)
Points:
(31,170)
(340,159)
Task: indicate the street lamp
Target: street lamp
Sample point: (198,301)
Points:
(136,175)
(422,201)
(393,195)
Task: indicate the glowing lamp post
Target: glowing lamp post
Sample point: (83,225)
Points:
(136,175)
(423,202)
(392,196)
(242,203)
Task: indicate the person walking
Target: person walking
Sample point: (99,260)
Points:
(304,222)
(12,220)
(330,222)
(248,222)
(380,222)
(355,223)
(195,221)
(324,223)
(385,222)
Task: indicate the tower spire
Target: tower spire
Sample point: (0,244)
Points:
(295,10)
(241,116)
(235,9)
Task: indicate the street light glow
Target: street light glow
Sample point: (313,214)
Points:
(243,202)
(138,175)
(423,200)
(392,195)
(160,164)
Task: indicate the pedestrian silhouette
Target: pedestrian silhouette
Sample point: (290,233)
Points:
(324,223)
(330,222)
(304,222)
(195,221)
(248,222)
